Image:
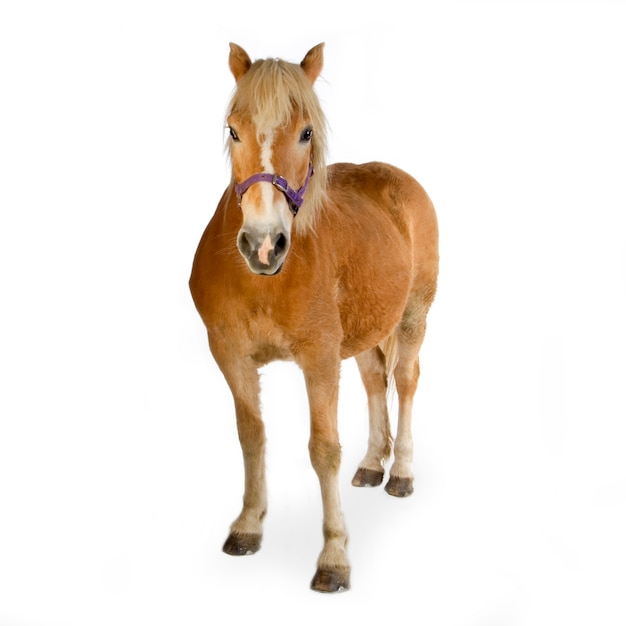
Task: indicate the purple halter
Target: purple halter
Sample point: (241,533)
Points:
(294,198)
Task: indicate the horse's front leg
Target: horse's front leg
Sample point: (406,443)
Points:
(322,381)
(243,379)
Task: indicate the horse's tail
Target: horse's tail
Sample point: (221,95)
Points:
(389,346)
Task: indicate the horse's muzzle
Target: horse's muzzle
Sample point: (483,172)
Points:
(264,252)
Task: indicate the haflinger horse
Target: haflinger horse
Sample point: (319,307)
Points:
(313,264)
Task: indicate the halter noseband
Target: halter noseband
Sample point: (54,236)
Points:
(294,198)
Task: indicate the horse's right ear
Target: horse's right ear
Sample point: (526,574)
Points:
(238,61)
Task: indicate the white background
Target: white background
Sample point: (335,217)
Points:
(120,469)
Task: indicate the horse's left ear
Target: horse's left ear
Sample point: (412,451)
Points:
(313,62)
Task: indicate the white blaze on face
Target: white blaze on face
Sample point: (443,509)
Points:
(267,193)
(266,152)
(272,212)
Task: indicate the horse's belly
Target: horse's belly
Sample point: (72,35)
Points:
(371,309)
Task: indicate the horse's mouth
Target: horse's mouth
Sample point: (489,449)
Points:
(264,270)
(277,271)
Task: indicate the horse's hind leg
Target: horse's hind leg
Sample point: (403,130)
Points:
(406,373)
(373,373)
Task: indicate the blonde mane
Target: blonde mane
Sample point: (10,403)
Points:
(272,92)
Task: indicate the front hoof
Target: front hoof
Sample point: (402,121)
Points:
(367,478)
(399,487)
(331,581)
(242,545)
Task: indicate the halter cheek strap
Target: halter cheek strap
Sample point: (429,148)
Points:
(294,198)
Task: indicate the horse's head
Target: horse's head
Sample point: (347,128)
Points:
(277,141)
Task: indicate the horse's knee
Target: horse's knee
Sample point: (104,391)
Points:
(325,455)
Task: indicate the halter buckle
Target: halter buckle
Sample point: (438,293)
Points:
(280,183)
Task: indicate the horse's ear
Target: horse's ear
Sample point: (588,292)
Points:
(238,61)
(313,62)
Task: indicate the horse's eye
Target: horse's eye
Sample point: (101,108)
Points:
(233,134)
(306,135)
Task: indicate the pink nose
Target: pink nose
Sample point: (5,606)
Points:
(264,250)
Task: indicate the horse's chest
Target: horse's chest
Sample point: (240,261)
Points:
(254,331)
(267,339)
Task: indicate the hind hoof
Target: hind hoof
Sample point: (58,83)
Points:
(399,487)
(367,478)
(242,545)
(331,581)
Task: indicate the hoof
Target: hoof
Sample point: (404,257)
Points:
(367,478)
(399,487)
(242,545)
(331,581)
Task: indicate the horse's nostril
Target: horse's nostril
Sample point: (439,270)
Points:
(243,243)
(281,245)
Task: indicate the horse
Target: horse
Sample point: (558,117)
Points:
(316,264)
